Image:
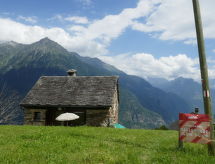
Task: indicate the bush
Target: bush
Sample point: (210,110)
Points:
(163,127)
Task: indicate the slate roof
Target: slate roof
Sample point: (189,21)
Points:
(69,91)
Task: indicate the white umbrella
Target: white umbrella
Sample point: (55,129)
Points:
(67,117)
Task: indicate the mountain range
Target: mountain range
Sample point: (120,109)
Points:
(188,89)
(141,104)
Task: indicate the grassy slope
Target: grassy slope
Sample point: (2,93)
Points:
(31,144)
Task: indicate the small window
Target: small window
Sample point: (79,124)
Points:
(37,116)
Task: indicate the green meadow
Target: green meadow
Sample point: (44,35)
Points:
(50,145)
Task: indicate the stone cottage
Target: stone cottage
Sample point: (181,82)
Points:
(94,99)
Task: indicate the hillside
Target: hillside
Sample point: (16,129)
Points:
(187,89)
(24,64)
(64,145)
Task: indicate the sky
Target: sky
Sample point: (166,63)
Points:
(147,38)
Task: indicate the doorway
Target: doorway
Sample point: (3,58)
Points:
(52,114)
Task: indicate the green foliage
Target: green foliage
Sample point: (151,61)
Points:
(133,115)
(163,127)
(65,145)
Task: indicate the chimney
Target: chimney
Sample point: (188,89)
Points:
(71,72)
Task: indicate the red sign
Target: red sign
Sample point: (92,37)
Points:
(194,128)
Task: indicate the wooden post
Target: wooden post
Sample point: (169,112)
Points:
(204,73)
(180,143)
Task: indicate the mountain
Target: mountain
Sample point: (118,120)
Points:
(8,49)
(212,83)
(158,82)
(142,105)
(188,89)
(134,115)
(168,105)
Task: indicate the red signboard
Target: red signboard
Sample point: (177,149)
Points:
(194,128)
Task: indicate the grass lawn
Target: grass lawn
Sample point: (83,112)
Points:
(38,145)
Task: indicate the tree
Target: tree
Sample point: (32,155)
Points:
(163,127)
(10,111)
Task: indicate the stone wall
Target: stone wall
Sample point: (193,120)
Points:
(114,110)
(103,117)
(29,117)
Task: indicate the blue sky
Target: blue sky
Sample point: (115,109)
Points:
(148,38)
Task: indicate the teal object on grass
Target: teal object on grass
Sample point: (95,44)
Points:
(119,126)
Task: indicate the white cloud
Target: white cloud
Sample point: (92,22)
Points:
(174,20)
(28,19)
(162,17)
(141,64)
(191,41)
(102,32)
(77,30)
(93,39)
(11,30)
(77,19)
(72,19)
(145,65)
(58,17)
(112,26)
(90,40)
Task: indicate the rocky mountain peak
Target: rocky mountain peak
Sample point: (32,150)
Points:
(9,43)
(48,45)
